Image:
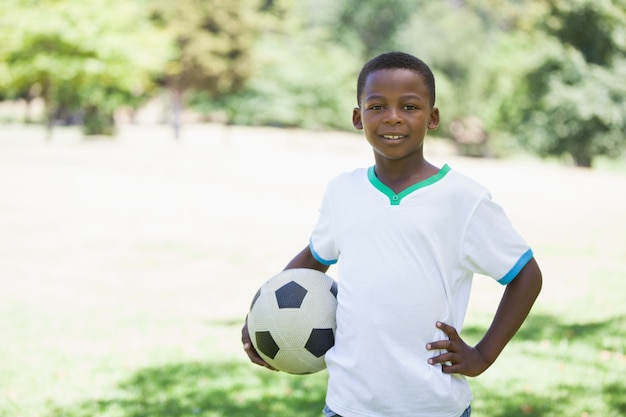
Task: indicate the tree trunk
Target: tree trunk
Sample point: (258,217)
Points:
(49,112)
(176,105)
(51,118)
(27,110)
(582,159)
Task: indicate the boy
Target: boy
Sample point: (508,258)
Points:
(410,236)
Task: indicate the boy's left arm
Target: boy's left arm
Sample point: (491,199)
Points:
(517,300)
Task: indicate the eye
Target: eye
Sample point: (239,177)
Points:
(376,107)
(410,107)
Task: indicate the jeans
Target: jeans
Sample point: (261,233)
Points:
(330,413)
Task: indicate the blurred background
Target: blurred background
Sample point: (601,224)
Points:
(541,76)
(160,159)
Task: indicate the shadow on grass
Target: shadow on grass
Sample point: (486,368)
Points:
(566,397)
(560,401)
(236,389)
(609,334)
(233,389)
(239,389)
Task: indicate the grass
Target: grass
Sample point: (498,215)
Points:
(556,368)
(225,387)
(127,266)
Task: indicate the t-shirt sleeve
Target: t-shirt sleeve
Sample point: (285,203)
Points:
(491,246)
(322,242)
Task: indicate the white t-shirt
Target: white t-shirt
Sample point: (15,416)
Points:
(406,261)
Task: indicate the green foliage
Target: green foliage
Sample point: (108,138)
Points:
(300,76)
(507,16)
(295,84)
(523,69)
(603,22)
(569,96)
(434,31)
(370,27)
(97,122)
(213,39)
(95,54)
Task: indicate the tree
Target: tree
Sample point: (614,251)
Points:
(570,97)
(297,82)
(213,40)
(83,59)
(370,27)
(300,77)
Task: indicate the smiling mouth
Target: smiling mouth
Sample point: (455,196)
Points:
(394,137)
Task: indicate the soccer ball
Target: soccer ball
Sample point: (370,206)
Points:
(292,320)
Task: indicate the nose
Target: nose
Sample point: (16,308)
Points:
(392,116)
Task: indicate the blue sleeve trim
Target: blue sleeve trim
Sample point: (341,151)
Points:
(318,258)
(521,263)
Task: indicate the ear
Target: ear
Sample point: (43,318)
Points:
(356,118)
(433,123)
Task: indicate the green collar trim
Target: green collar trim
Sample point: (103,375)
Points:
(394,199)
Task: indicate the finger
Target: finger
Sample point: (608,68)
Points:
(253,354)
(439,345)
(445,358)
(447,329)
(448,368)
(245,335)
(255,357)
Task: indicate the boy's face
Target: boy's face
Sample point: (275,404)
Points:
(395,113)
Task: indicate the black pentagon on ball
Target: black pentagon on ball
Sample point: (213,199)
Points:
(266,344)
(320,341)
(290,295)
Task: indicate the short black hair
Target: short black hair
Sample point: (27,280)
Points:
(392,61)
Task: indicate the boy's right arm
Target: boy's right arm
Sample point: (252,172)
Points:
(304,259)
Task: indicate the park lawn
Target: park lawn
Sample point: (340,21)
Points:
(127,267)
